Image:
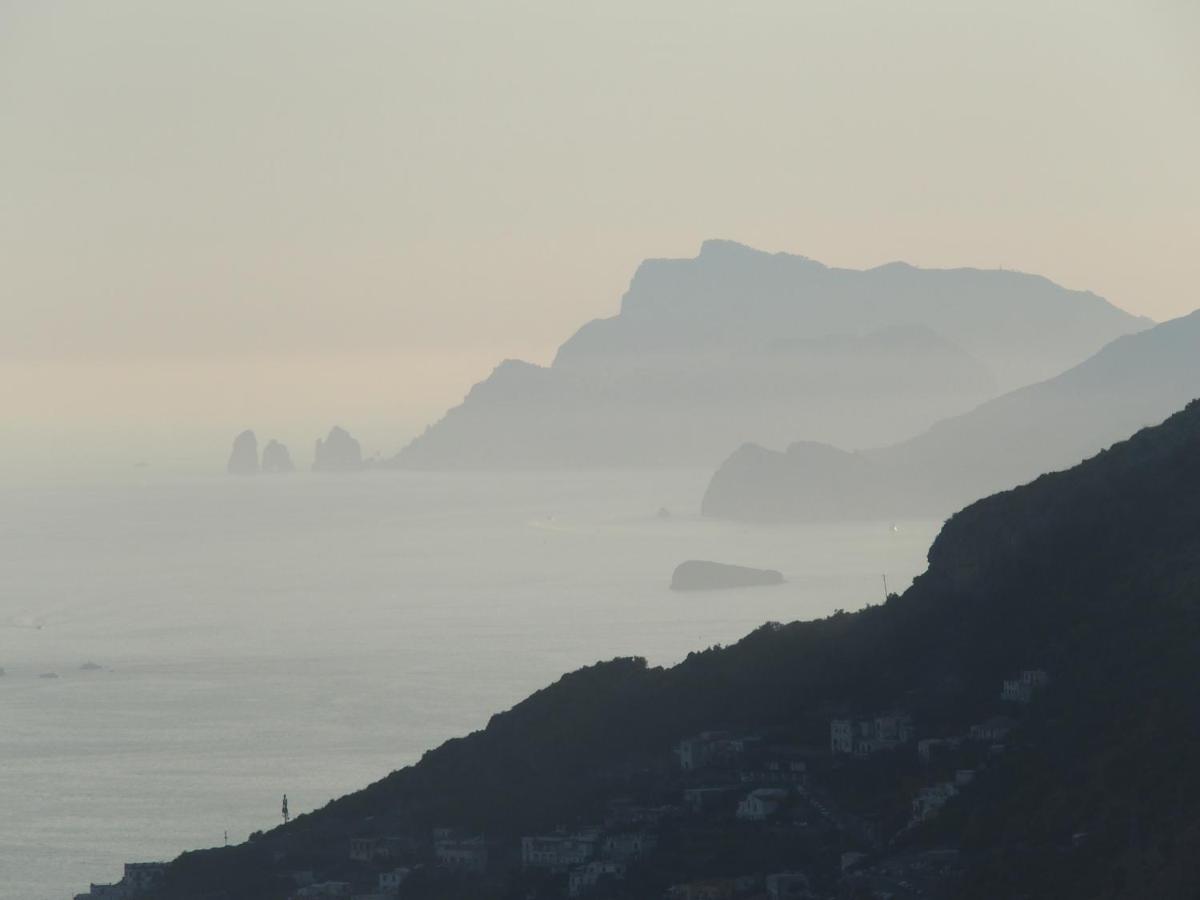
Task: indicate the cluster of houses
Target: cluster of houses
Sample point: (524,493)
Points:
(864,736)
(903,874)
(588,856)
(776,886)
(1022,688)
(930,799)
(725,778)
(760,779)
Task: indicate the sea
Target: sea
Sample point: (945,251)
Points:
(181,650)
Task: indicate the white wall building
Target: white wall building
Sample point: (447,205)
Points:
(558,852)
(468,854)
(762,804)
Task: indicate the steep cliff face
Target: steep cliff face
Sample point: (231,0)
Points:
(1022,327)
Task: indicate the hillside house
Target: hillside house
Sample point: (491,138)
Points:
(994,730)
(389,882)
(559,852)
(930,800)
(628,845)
(584,878)
(1022,688)
(623,813)
(324,890)
(705,749)
(462,854)
(708,889)
(774,766)
(700,800)
(762,803)
(927,748)
(863,736)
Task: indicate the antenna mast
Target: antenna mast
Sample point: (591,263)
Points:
(286,817)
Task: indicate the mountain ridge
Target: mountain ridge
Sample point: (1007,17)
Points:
(684,373)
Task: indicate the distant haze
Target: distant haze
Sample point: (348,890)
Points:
(287,215)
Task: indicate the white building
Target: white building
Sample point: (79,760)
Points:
(628,845)
(701,800)
(927,747)
(842,733)
(389,882)
(862,737)
(1022,688)
(467,854)
(762,804)
(993,730)
(930,800)
(559,852)
(704,749)
(325,889)
(776,771)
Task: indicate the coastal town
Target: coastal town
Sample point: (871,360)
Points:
(727,816)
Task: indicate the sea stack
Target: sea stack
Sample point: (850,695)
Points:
(276,459)
(244,458)
(702,575)
(338,452)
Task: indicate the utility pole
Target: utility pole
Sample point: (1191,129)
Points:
(885,590)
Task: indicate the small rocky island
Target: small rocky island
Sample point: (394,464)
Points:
(703,575)
(276,459)
(338,452)
(244,458)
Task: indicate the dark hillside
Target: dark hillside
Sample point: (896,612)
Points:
(1092,573)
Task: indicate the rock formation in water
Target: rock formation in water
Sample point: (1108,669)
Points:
(276,459)
(338,452)
(244,458)
(702,575)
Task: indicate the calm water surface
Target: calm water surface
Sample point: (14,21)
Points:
(308,634)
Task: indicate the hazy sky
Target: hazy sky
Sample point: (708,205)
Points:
(285,214)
